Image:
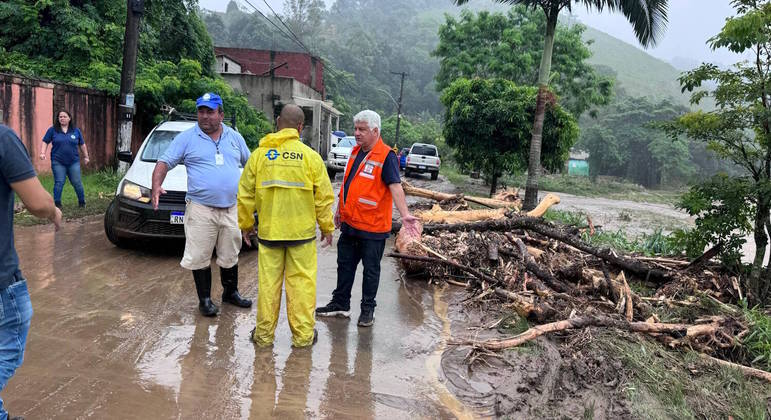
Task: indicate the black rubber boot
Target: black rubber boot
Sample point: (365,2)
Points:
(229,277)
(202,279)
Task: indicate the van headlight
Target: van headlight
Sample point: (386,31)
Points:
(136,192)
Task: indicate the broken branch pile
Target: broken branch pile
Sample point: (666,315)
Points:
(552,277)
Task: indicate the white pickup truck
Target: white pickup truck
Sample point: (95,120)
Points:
(423,158)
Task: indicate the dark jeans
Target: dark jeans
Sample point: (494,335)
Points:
(73,173)
(351,250)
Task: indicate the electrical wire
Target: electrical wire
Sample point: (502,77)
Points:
(274,25)
(287,27)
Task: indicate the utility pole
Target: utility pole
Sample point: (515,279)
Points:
(134,11)
(399,106)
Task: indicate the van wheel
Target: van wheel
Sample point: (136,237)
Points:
(331,174)
(434,175)
(110,217)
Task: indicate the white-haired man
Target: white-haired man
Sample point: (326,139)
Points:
(371,186)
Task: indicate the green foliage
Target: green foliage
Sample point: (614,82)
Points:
(738,130)
(622,142)
(81,43)
(488,122)
(723,215)
(412,130)
(758,341)
(164,82)
(510,46)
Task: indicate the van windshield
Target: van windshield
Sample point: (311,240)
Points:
(158,142)
(423,151)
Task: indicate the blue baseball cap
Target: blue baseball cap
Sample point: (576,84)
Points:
(209,100)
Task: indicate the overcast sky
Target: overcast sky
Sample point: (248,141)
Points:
(691,24)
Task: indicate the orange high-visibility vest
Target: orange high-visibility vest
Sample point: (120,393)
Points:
(369,203)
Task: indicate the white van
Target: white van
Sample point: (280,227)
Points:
(131,214)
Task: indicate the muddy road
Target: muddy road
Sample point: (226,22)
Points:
(116,334)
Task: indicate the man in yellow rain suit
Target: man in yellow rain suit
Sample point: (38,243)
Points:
(286,183)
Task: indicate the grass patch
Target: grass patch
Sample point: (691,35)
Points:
(453,174)
(656,243)
(601,187)
(666,384)
(99,188)
(758,341)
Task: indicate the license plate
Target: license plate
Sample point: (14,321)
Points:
(421,167)
(177,218)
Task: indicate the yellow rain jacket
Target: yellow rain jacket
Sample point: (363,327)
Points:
(286,183)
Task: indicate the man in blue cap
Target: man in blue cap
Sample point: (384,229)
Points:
(213,154)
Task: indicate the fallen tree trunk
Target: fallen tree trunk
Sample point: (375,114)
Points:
(537,225)
(679,330)
(437,215)
(746,370)
(409,189)
(525,307)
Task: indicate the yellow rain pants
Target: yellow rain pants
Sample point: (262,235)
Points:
(298,265)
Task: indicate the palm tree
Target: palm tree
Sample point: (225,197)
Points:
(648,17)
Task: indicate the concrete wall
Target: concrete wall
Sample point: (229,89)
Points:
(306,69)
(264,93)
(28,107)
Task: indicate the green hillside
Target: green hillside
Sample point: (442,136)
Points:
(637,72)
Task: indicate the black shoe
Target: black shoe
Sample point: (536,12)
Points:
(58,204)
(333,309)
(367,318)
(82,205)
(202,279)
(229,278)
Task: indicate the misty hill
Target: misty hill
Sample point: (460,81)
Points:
(637,72)
(367,53)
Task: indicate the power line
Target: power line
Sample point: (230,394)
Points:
(274,25)
(287,27)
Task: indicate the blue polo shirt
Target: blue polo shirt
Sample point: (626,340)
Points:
(15,166)
(208,183)
(65,145)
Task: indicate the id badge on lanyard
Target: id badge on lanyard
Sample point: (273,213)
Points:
(219,159)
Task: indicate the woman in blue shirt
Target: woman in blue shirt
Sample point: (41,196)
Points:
(65,160)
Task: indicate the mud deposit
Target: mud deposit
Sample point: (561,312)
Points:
(544,379)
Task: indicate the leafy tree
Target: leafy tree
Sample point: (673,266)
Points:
(623,142)
(647,18)
(304,17)
(509,46)
(738,130)
(81,43)
(165,83)
(487,125)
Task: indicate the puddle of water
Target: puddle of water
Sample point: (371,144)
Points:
(117,331)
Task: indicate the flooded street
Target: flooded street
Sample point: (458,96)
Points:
(117,334)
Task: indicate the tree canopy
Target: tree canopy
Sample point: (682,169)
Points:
(727,207)
(488,121)
(81,43)
(622,141)
(510,46)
